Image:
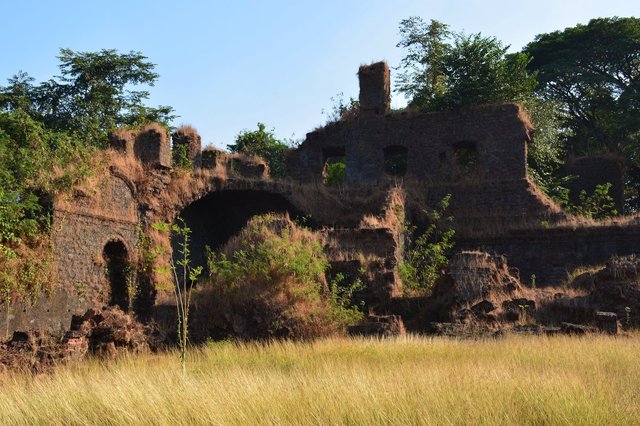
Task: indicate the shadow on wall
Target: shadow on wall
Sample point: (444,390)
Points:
(117,266)
(217,217)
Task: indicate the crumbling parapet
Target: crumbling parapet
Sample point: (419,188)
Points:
(212,158)
(189,138)
(149,144)
(152,146)
(122,141)
(234,164)
(375,88)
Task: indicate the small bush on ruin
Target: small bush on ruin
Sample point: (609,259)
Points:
(263,143)
(425,253)
(336,174)
(269,281)
(181,158)
(598,205)
(342,109)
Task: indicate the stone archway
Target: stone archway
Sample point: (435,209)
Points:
(117,269)
(219,215)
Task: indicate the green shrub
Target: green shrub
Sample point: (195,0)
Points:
(598,205)
(180,158)
(425,253)
(269,281)
(336,173)
(263,143)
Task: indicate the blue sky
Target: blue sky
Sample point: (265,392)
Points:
(224,66)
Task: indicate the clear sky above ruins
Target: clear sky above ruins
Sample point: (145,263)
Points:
(224,66)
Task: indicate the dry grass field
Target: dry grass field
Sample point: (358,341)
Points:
(412,380)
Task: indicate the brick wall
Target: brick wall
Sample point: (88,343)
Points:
(81,228)
(498,133)
(552,253)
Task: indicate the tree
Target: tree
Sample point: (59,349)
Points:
(546,151)
(445,70)
(92,95)
(263,143)
(421,77)
(593,72)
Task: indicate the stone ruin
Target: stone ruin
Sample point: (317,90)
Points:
(397,164)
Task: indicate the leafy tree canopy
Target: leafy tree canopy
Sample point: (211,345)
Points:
(445,70)
(92,95)
(33,161)
(594,71)
(263,143)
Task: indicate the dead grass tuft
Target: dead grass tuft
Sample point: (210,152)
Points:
(187,130)
(393,212)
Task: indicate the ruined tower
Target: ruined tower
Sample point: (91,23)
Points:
(375,88)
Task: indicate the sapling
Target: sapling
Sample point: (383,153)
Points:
(533,280)
(627,317)
(184,275)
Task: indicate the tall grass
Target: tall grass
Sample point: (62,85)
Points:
(516,380)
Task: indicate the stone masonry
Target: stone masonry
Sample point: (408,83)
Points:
(476,155)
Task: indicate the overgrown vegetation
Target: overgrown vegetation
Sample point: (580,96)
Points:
(598,205)
(35,164)
(49,133)
(425,256)
(342,109)
(263,143)
(270,281)
(336,173)
(180,158)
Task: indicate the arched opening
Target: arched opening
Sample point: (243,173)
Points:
(220,215)
(117,271)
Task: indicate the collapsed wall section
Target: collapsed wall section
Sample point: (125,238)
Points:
(371,255)
(149,145)
(551,254)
